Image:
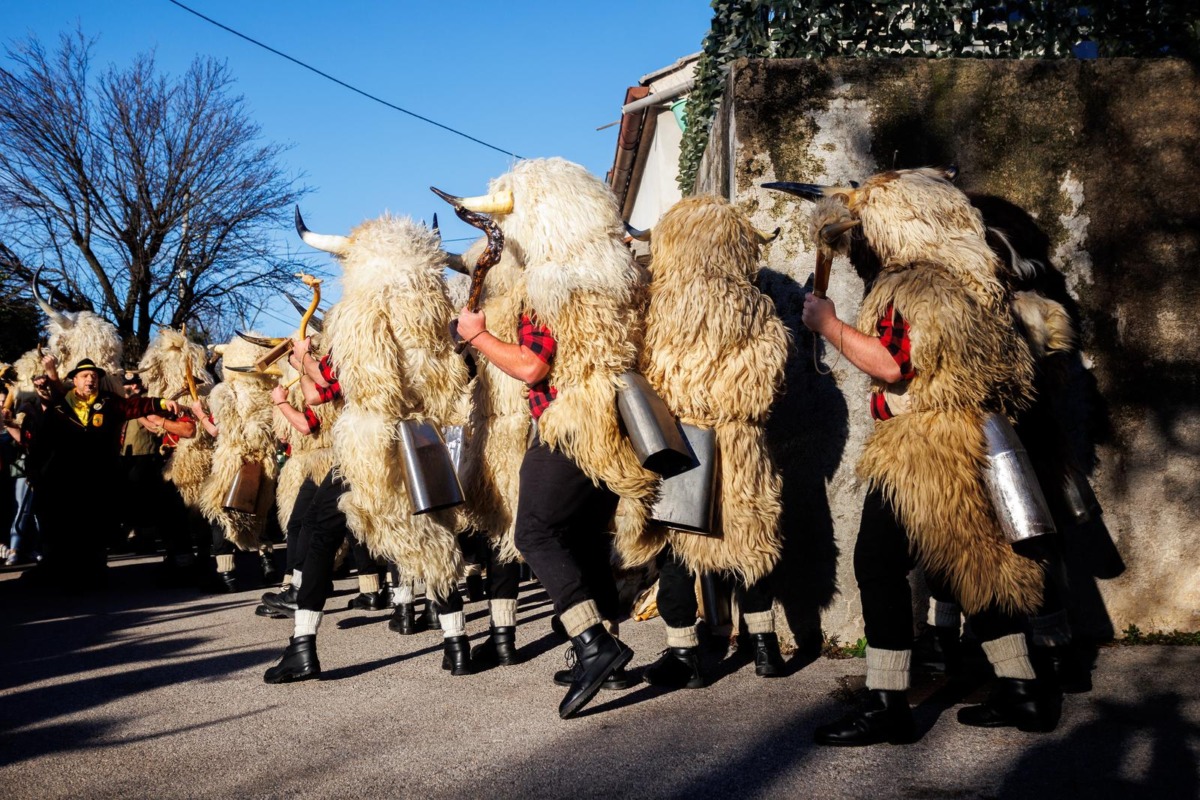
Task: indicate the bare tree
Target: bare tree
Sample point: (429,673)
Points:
(97,181)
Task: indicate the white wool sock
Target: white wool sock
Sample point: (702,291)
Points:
(307,622)
(225,563)
(888,670)
(683,637)
(503,613)
(579,617)
(760,622)
(944,615)
(368,583)
(296,577)
(1009,657)
(453,624)
(404,593)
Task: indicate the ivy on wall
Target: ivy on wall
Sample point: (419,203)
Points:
(823,28)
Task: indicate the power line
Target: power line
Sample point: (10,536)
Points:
(342,83)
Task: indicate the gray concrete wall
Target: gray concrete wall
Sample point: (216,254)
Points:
(1092,164)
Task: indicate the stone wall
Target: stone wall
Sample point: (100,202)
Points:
(1090,164)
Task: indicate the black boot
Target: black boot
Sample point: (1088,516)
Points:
(270,572)
(404,620)
(883,717)
(599,654)
(284,601)
(619,680)
(1027,705)
(225,583)
(368,601)
(271,612)
(457,656)
(498,649)
(430,618)
(299,662)
(768,661)
(676,668)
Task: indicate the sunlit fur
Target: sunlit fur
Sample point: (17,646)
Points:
(241,407)
(500,420)
(390,345)
(81,335)
(938,271)
(715,351)
(163,372)
(312,454)
(581,281)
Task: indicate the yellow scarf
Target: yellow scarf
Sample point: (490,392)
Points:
(80,405)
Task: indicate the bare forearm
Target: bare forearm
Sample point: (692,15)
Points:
(294,417)
(865,352)
(514,360)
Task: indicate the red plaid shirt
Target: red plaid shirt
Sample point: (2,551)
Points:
(314,424)
(331,392)
(894,335)
(540,340)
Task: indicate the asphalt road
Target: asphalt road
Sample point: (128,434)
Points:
(145,691)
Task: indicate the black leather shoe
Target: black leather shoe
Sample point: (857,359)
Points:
(498,649)
(299,662)
(368,601)
(676,668)
(618,681)
(430,618)
(1014,703)
(768,661)
(883,717)
(225,582)
(599,654)
(271,612)
(457,655)
(270,572)
(283,601)
(405,621)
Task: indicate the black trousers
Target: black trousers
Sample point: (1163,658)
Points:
(325,527)
(562,530)
(882,561)
(297,534)
(677,592)
(503,580)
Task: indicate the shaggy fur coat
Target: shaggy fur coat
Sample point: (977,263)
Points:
(163,371)
(938,272)
(390,344)
(241,407)
(715,351)
(582,281)
(498,432)
(312,455)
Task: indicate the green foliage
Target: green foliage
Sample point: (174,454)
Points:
(832,648)
(1134,636)
(978,29)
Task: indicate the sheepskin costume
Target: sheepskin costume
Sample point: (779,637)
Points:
(936,269)
(391,349)
(163,370)
(500,421)
(79,335)
(241,408)
(312,455)
(715,351)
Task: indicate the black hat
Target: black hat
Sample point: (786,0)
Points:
(84,365)
(131,378)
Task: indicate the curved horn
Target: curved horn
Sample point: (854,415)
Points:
(496,203)
(47,309)
(219,349)
(641,236)
(809,191)
(328,242)
(833,231)
(455,262)
(263,341)
(435,227)
(950,172)
(765,237)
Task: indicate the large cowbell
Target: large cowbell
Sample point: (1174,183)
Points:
(243,492)
(1016,494)
(429,471)
(687,501)
(653,430)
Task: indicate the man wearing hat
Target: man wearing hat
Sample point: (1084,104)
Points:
(73,463)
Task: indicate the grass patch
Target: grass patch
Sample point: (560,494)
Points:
(832,648)
(1133,636)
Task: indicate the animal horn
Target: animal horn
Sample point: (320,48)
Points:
(47,309)
(496,203)
(455,262)
(833,231)
(263,341)
(634,233)
(766,238)
(809,191)
(950,172)
(435,227)
(328,242)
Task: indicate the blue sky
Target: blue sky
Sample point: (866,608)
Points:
(535,78)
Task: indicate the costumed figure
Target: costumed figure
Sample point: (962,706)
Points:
(936,333)
(715,351)
(579,333)
(237,495)
(391,358)
(74,336)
